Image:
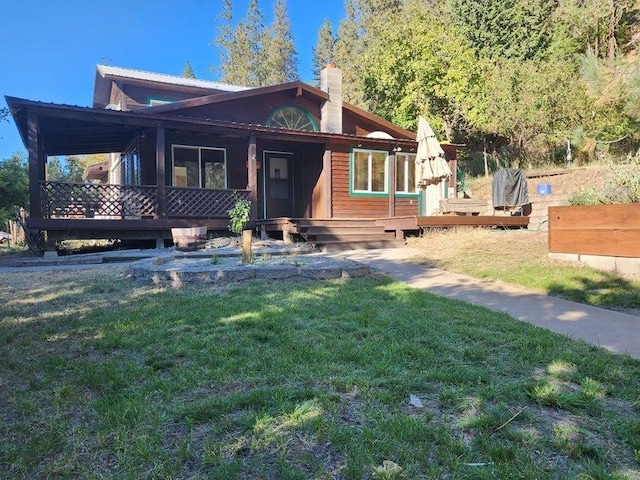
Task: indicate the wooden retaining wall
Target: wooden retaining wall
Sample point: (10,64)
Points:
(607,230)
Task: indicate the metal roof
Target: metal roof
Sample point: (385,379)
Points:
(106,70)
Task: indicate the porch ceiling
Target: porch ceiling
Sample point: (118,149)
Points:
(74,137)
(72,130)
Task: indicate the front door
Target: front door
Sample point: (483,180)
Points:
(278,184)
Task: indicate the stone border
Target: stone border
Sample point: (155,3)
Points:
(173,271)
(621,265)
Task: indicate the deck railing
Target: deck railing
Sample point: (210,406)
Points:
(87,200)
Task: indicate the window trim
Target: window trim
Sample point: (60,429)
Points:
(405,193)
(368,193)
(199,148)
(278,109)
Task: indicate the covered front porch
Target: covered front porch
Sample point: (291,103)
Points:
(166,172)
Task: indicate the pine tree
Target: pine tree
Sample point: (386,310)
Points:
(281,58)
(324,51)
(188,71)
(253,55)
(235,49)
(348,52)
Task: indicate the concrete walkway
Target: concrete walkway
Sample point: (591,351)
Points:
(617,332)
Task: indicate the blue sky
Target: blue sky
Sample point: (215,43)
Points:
(50,48)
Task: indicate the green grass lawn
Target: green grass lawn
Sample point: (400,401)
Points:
(101,378)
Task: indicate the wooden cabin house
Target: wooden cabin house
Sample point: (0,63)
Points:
(181,151)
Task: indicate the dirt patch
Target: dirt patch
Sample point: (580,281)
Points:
(574,180)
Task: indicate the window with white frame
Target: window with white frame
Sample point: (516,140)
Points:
(369,169)
(199,167)
(406,173)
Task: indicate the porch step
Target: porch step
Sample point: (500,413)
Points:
(346,234)
(339,246)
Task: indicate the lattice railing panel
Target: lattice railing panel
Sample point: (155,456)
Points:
(200,202)
(86,200)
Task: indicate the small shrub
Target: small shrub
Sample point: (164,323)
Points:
(622,187)
(239,214)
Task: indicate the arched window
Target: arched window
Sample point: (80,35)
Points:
(292,117)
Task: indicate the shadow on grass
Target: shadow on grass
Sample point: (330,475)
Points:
(602,289)
(286,380)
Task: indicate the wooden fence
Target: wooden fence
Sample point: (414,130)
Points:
(607,230)
(14,229)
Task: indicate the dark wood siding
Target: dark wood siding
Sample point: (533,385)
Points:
(137,96)
(359,126)
(345,205)
(405,206)
(255,109)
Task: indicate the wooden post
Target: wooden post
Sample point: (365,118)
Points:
(326,172)
(252,177)
(161,180)
(36,170)
(247,236)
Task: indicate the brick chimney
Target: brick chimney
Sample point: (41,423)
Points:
(331,112)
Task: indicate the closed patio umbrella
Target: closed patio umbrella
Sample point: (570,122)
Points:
(431,167)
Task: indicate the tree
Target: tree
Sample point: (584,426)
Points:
(324,50)
(14,186)
(252,55)
(423,68)
(505,28)
(534,104)
(234,47)
(279,52)
(188,71)
(71,168)
(349,49)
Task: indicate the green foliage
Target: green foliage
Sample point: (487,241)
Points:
(239,215)
(280,56)
(14,187)
(422,68)
(349,50)
(516,29)
(71,168)
(622,187)
(188,71)
(252,54)
(324,50)
(508,69)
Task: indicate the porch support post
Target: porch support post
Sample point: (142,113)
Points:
(252,176)
(161,182)
(392,184)
(326,173)
(37,166)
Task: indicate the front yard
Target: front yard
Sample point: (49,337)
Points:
(103,378)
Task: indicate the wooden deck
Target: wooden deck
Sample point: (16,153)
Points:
(335,229)
(448,221)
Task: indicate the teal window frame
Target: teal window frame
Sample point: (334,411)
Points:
(297,108)
(368,193)
(154,102)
